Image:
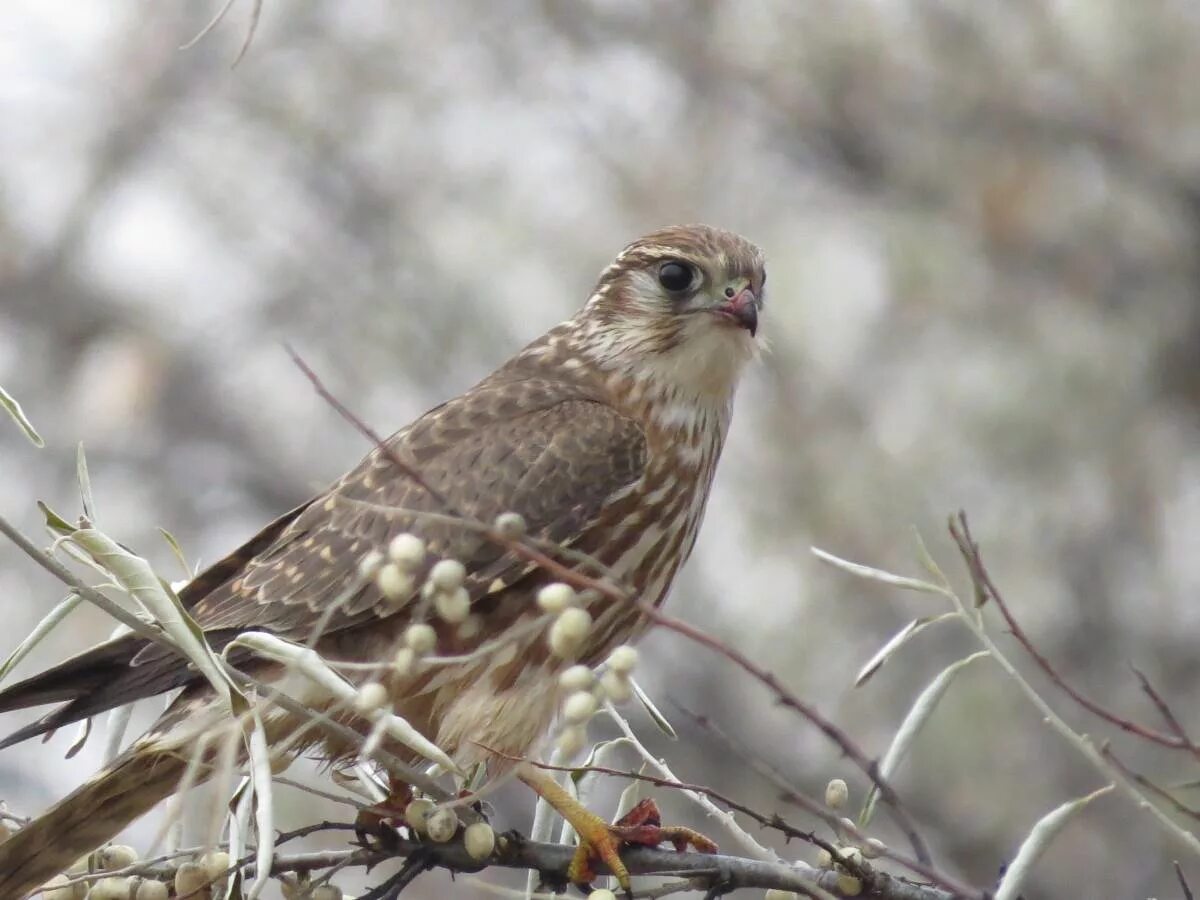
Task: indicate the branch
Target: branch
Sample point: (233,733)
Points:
(724,873)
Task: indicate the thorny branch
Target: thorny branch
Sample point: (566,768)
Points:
(773,821)
(551,861)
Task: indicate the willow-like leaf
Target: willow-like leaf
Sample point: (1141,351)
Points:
(85,484)
(653,711)
(138,579)
(264,810)
(894,643)
(178,551)
(308,662)
(48,623)
(917,716)
(1046,829)
(10,405)
(872,574)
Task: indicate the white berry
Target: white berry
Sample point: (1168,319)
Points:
(441,825)
(623,659)
(510,525)
(109,889)
(215,864)
(405,662)
(369,565)
(479,840)
(421,638)
(837,794)
(115,856)
(407,551)
(577,678)
(447,575)
(579,707)
(394,582)
(569,631)
(555,598)
(370,697)
(849,886)
(151,890)
(617,687)
(416,814)
(453,606)
(190,878)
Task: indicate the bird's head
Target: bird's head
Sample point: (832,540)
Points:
(680,307)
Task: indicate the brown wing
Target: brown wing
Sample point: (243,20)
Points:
(530,447)
(555,463)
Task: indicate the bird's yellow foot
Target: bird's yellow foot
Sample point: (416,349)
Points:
(600,841)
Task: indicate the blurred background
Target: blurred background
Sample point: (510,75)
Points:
(983,231)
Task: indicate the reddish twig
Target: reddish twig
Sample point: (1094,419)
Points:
(1164,710)
(368,432)
(1149,786)
(986,590)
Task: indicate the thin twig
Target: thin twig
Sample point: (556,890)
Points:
(961,534)
(1183,883)
(1164,710)
(67,577)
(1150,787)
(984,586)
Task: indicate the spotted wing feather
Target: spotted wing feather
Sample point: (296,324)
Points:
(555,457)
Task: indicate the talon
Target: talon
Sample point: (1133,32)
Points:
(642,825)
(373,832)
(373,821)
(598,840)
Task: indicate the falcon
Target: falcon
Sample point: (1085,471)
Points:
(603,435)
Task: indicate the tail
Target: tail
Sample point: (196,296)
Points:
(130,786)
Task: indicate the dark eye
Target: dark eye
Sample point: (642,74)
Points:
(675,276)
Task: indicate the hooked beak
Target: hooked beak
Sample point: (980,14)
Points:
(740,310)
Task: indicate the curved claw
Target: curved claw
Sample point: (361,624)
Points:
(601,841)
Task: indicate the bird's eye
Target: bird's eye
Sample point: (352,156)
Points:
(675,276)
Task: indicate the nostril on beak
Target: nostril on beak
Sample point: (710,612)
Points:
(743,308)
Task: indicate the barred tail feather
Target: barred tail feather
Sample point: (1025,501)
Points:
(132,785)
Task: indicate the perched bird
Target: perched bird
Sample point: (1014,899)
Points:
(603,435)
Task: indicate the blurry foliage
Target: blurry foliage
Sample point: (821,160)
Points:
(983,224)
